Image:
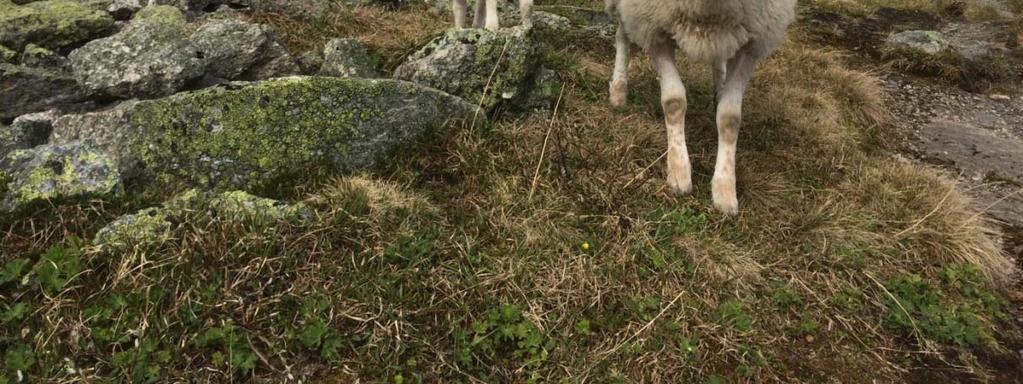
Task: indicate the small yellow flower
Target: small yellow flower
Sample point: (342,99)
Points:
(585,246)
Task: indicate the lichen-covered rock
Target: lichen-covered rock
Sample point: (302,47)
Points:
(36,56)
(159,12)
(244,207)
(7,55)
(25,90)
(55,172)
(103,128)
(253,137)
(545,91)
(483,67)
(151,57)
(51,24)
(240,50)
(347,58)
(928,42)
(26,132)
(154,226)
(124,9)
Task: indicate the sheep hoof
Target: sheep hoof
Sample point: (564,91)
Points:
(681,186)
(725,200)
(619,94)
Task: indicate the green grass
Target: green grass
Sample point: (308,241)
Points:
(461,263)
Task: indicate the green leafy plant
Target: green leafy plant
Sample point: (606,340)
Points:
(732,314)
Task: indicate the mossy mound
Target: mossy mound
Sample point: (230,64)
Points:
(153,226)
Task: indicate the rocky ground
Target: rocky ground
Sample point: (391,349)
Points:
(378,190)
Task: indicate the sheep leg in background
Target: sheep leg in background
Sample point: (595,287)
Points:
(526,9)
(459,9)
(729,119)
(493,19)
(673,100)
(481,14)
(720,71)
(620,76)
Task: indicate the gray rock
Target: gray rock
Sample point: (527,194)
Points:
(125,9)
(151,57)
(347,58)
(56,172)
(927,42)
(239,50)
(483,67)
(976,151)
(52,24)
(27,90)
(36,56)
(253,137)
(26,132)
(545,91)
(104,129)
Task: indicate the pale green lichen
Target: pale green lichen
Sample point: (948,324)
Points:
(160,13)
(7,55)
(51,24)
(242,206)
(57,172)
(155,226)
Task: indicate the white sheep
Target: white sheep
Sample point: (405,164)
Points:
(730,35)
(486,10)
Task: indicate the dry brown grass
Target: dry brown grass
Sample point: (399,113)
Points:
(613,277)
(391,35)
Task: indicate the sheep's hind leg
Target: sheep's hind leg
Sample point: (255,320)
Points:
(620,77)
(493,19)
(459,9)
(526,11)
(481,14)
(673,100)
(720,70)
(729,119)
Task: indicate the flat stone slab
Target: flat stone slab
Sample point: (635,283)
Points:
(976,151)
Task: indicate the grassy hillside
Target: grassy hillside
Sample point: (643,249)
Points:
(544,248)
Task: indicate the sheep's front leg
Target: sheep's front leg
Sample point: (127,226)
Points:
(620,76)
(493,19)
(729,119)
(459,9)
(526,10)
(673,100)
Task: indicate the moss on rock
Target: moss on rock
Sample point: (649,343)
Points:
(154,226)
(7,55)
(251,137)
(51,24)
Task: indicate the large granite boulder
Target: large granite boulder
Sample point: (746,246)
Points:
(255,136)
(151,57)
